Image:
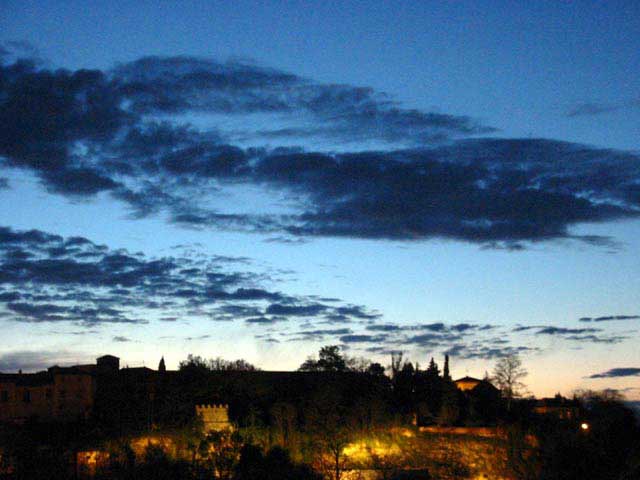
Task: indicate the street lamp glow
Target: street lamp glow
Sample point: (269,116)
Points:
(584,426)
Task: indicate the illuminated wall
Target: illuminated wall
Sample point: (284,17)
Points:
(214,417)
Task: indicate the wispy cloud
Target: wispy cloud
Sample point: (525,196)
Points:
(610,318)
(618,372)
(121,339)
(591,109)
(588,335)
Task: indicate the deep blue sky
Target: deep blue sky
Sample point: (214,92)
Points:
(516,205)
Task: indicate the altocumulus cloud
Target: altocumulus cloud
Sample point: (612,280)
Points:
(584,335)
(47,278)
(427,179)
(462,340)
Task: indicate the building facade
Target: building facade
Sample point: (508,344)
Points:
(467,383)
(59,394)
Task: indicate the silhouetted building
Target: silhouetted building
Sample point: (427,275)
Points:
(558,407)
(467,383)
(59,394)
(134,399)
(108,364)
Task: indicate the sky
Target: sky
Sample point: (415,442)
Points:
(258,179)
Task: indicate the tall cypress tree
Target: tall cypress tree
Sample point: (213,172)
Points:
(433,369)
(445,371)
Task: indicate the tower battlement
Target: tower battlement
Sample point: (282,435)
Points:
(215,417)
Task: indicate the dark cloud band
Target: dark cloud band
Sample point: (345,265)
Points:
(618,372)
(610,318)
(125,132)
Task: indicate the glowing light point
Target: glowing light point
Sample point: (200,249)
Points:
(584,426)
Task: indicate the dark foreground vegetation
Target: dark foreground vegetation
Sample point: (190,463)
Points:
(337,418)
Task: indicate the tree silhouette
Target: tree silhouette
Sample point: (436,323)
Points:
(445,371)
(396,363)
(433,370)
(507,375)
(275,465)
(375,369)
(608,449)
(330,360)
(284,420)
(332,430)
(162,367)
(200,364)
(449,406)
(219,453)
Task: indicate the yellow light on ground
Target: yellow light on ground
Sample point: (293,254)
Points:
(584,426)
(363,449)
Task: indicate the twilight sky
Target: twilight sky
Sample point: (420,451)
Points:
(259,179)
